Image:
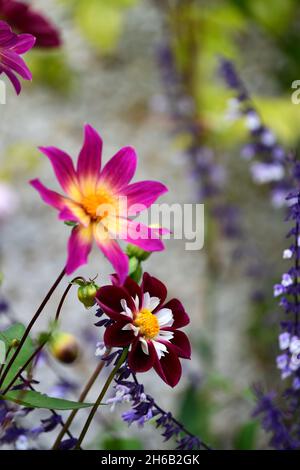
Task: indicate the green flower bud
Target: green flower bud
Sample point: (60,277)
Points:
(64,347)
(134,251)
(15,343)
(86,293)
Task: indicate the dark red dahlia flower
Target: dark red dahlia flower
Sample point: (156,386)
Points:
(22,18)
(148,325)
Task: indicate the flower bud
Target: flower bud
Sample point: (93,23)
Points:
(86,293)
(134,251)
(64,347)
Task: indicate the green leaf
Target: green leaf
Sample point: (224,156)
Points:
(69,223)
(32,399)
(16,331)
(246,436)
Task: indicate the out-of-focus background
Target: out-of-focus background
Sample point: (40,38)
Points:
(145,73)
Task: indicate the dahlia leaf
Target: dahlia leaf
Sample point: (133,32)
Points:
(33,399)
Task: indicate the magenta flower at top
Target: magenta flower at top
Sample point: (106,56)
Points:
(93,198)
(12,46)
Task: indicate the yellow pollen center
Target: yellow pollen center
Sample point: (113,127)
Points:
(98,205)
(147,323)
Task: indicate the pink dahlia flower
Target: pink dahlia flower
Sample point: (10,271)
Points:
(95,202)
(12,46)
(24,19)
(148,325)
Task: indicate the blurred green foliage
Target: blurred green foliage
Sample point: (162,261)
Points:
(51,68)
(100,21)
(18,159)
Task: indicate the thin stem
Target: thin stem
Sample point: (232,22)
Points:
(180,425)
(6,356)
(62,300)
(24,367)
(32,322)
(100,397)
(82,397)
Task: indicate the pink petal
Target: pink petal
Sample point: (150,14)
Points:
(114,336)
(144,237)
(89,160)
(138,361)
(109,298)
(155,288)
(120,169)
(14,62)
(49,197)
(79,247)
(169,368)
(180,343)
(64,171)
(25,42)
(112,251)
(133,232)
(179,314)
(74,212)
(142,195)
(6,34)
(12,77)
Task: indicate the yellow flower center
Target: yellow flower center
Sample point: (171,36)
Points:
(147,323)
(99,204)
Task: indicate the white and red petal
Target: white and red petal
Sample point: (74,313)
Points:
(169,367)
(131,327)
(109,298)
(164,317)
(179,342)
(150,303)
(160,348)
(126,310)
(116,336)
(155,288)
(138,361)
(180,316)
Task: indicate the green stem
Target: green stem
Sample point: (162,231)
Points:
(24,367)
(82,397)
(100,397)
(31,324)
(6,356)
(62,300)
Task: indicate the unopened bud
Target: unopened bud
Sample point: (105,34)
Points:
(87,293)
(15,343)
(134,251)
(64,347)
